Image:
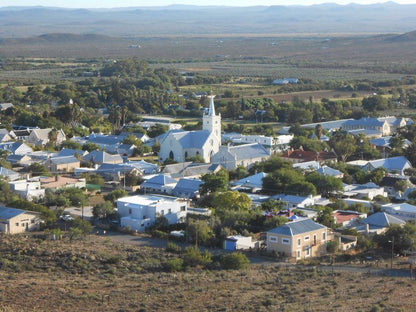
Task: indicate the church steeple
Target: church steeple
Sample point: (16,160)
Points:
(210,121)
(211,110)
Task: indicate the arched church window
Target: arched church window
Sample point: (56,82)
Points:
(171,155)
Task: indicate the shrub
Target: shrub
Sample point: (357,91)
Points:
(234,261)
(173,265)
(194,257)
(172,247)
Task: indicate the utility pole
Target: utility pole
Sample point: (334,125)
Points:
(392,252)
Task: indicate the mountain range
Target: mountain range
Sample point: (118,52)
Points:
(182,20)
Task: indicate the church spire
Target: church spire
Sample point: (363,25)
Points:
(211,111)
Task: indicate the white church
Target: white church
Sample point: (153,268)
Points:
(179,145)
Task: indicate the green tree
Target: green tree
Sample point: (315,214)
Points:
(114,195)
(103,210)
(37,169)
(90,147)
(404,238)
(234,261)
(343,144)
(214,182)
(325,184)
(231,201)
(199,231)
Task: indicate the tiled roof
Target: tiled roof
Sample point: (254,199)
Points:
(297,227)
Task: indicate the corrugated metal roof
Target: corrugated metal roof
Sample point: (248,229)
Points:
(8,213)
(297,227)
(381,219)
(248,151)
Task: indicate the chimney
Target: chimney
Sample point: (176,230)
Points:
(367,229)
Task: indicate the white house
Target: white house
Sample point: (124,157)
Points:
(29,190)
(140,211)
(402,211)
(41,137)
(179,145)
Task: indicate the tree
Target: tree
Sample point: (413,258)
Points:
(214,182)
(37,169)
(404,238)
(319,131)
(71,145)
(234,261)
(90,147)
(83,226)
(325,184)
(103,210)
(343,144)
(114,195)
(231,201)
(375,103)
(157,130)
(199,231)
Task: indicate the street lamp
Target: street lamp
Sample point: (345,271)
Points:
(392,251)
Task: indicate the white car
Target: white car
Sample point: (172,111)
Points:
(67,218)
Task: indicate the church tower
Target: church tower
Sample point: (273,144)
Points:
(212,122)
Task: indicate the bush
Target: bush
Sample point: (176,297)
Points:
(173,265)
(234,261)
(172,247)
(194,257)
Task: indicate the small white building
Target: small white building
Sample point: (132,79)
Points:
(140,211)
(29,190)
(402,211)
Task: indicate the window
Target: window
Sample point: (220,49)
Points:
(17,223)
(183,208)
(273,239)
(285,241)
(298,254)
(306,238)
(314,239)
(324,236)
(299,241)
(129,210)
(308,252)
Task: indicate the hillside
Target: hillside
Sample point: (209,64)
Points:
(97,274)
(194,20)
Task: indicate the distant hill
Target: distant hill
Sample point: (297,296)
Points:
(407,37)
(57,38)
(387,17)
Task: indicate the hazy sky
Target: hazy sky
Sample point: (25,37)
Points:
(132,3)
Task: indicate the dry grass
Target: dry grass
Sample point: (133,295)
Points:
(99,275)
